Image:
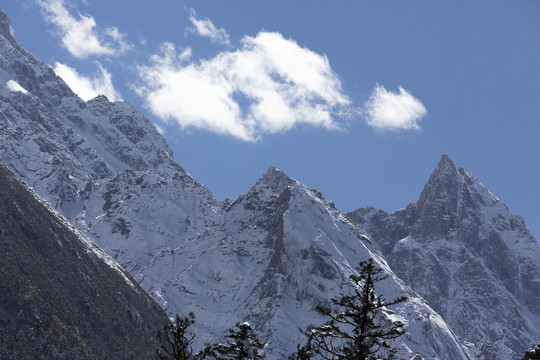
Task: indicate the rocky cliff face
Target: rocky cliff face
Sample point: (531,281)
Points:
(61,297)
(474,262)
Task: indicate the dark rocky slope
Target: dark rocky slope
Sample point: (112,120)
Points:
(60,298)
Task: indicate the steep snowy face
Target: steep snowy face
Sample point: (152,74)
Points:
(153,225)
(58,143)
(475,263)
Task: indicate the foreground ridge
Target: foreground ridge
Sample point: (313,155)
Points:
(58,297)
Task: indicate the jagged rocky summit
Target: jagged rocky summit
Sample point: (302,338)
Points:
(475,263)
(268,257)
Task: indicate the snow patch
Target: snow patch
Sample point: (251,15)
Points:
(14,86)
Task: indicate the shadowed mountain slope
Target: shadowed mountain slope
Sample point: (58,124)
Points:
(60,296)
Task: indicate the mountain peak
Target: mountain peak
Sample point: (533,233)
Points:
(440,196)
(445,165)
(456,244)
(450,195)
(275,179)
(445,175)
(5,26)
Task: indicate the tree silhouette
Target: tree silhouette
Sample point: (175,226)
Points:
(175,341)
(243,344)
(356,329)
(534,354)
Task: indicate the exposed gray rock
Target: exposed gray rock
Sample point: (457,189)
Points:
(474,262)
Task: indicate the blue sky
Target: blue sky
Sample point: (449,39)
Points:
(356,98)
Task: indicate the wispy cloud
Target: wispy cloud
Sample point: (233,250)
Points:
(269,85)
(386,110)
(88,87)
(205,27)
(79,34)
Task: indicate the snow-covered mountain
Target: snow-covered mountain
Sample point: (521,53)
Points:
(475,263)
(268,257)
(283,250)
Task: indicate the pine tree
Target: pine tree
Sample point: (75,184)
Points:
(175,341)
(243,344)
(534,354)
(355,330)
(206,353)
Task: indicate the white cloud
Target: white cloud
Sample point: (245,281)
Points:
(88,88)
(269,85)
(79,36)
(386,110)
(205,27)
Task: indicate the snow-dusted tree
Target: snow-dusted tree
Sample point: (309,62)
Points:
(242,344)
(357,330)
(175,341)
(534,354)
